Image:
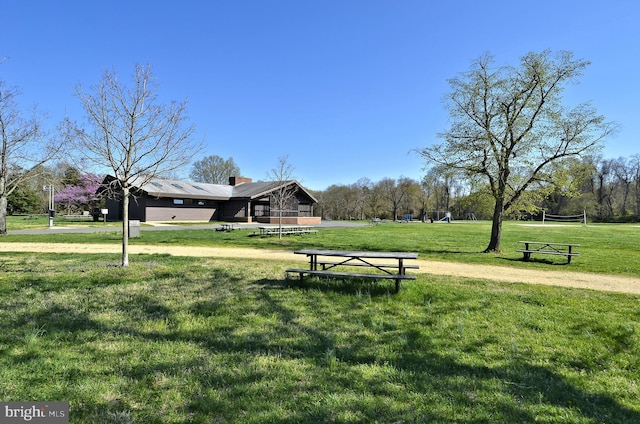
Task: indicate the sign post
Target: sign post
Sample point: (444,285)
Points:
(52,212)
(104,213)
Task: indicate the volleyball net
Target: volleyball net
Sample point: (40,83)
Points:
(581,217)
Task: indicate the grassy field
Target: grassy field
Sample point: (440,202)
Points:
(24,222)
(605,248)
(192,340)
(196,340)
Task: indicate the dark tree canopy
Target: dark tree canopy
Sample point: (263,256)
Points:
(508,126)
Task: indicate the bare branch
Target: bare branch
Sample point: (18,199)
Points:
(130,134)
(510,120)
(24,147)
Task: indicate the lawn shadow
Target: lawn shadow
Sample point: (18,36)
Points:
(230,344)
(537,261)
(349,286)
(274,284)
(529,383)
(438,252)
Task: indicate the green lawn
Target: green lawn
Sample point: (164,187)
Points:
(215,340)
(190,340)
(39,221)
(605,248)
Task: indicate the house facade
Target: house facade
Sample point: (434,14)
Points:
(241,200)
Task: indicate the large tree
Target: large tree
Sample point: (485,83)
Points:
(214,170)
(131,135)
(508,125)
(24,147)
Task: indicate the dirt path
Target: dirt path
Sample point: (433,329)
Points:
(554,278)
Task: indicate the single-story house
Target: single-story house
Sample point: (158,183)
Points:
(240,201)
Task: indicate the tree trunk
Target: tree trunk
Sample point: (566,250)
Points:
(3,214)
(125,227)
(3,205)
(496,227)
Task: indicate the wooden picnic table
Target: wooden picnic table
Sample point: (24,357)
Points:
(548,248)
(225,227)
(269,230)
(321,262)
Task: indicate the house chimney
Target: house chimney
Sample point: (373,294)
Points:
(239,180)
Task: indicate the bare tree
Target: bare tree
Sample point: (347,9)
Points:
(623,170)
(395,192)
(441,182)
(606,185)
(24,147)
(131,134)
(284,193)
(214,170)
(377,202)
(635,166)
(509,126)
(362,188)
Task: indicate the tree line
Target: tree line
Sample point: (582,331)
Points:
(607,189)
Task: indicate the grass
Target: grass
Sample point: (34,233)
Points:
(189,340)
(39,221)
(605,248)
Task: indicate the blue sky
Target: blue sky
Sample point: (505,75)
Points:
(345,88)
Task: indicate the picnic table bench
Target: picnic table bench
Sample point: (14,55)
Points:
(225,227)
(548,248)
(271,230)
(326,263)
(77,217)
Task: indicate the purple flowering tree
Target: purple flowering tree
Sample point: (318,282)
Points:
(79,196)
